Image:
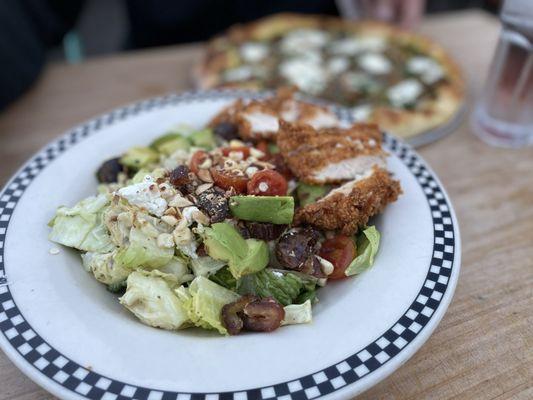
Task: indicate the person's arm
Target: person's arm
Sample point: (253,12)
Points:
(27,29)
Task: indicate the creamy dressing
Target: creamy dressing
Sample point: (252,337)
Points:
(350,168)
(145,195)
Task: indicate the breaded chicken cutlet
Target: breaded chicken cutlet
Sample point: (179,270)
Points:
(259,119)
(350,206)
(330,155)
(336,155)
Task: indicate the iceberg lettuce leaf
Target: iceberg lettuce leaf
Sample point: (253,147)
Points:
(367,247)
(298,313)
(82,227)
(151,299)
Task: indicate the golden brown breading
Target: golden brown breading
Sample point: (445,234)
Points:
(306,150)
(348,212)
(253,120)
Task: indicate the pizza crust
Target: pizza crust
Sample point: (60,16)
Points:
(449,96)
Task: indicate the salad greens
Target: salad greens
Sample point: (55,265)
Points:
(184,252)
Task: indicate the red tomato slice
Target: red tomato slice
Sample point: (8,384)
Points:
(227,180)
(267,183)
(197,159)
(340,251)
(241,149)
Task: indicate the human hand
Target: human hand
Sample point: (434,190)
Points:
(406,13)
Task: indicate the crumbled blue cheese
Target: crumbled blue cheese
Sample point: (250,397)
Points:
(404,92)
(146,195)
(375,63)
(428,69)
(253,52)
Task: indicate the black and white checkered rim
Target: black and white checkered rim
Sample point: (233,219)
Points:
(90,384)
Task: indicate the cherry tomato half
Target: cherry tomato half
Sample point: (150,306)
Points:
(267,183)
(241,149)
(197,159)
(340,251)
(227,180)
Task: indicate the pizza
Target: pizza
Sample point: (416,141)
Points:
(404,82)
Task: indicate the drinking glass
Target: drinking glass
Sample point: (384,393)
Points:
(503,115)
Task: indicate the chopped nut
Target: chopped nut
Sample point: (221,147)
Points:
(182,234)
(250,171)
(202,188)
(206,164)
(169,220)
(179,201)
(165,240)
(205,175)
(236,143)
(236,155)
(256,153)
(171,211)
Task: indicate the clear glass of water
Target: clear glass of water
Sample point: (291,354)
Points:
(503,116)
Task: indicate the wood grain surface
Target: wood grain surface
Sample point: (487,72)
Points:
(483,348)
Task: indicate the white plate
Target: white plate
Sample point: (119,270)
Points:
(69,334)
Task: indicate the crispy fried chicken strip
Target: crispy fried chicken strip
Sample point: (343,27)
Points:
(330,155)
(259,119)
(350,206)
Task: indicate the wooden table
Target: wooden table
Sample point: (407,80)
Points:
(483,348)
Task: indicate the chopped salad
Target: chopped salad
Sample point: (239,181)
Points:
(200,229)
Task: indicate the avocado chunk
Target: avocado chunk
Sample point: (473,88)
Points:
(139,157)
(203,138)
(169,143)
(308,194)
(223,242)
(274,209)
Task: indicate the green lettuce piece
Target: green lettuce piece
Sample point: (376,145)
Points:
(206,302)
(367,247)
(152,299)
(177,267)
(143,251)
(284,286)
(104,268)
(298,313)
(81,226)
(309,194)
(223,277)
(223,242)
(206,266)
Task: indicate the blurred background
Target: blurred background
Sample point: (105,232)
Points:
(34,32)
